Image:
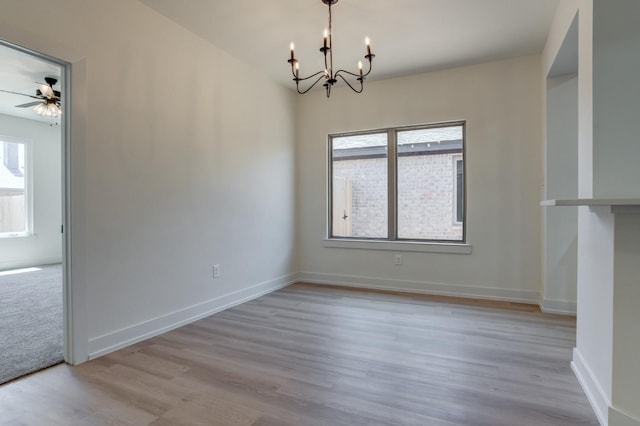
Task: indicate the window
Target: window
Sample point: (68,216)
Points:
(398,184)
(14,200)
(360,198)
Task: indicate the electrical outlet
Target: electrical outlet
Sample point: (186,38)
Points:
(398,259)
(216,271)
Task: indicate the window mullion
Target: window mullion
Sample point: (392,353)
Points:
(392,189)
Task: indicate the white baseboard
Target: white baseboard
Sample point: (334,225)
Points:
(618,418)
(562,307)
(422,287)
(591,387)
(119,339)
(28,263)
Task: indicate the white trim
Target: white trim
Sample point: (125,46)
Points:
(28,185)
(451,248)
(595,394)
(421,287)
(562,307)
(118,339)
(76,329)
(18,235)
(618,418)
(32,262)
(454,202)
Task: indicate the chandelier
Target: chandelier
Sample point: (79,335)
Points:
(330,77)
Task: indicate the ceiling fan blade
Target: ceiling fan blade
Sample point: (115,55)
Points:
(46,90)
(29,104)
(21,94)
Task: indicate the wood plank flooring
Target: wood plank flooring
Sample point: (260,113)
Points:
(324,356)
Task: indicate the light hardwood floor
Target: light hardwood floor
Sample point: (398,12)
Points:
(325,356)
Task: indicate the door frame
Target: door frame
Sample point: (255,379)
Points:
(69,320)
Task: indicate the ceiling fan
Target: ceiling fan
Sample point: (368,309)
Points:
(48,103)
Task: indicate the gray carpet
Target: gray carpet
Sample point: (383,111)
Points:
(30,321)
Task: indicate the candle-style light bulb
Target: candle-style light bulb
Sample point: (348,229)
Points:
(324,38)
(360,67)
(367,41)
(297,70)
(292,47)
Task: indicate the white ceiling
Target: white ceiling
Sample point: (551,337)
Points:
(408,36)
(19,72)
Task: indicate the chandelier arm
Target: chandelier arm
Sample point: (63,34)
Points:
(307,78)
(347,72)
(354,74)
(349,84)
(369,58)
(312,86)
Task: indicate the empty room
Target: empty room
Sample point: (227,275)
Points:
(331,212)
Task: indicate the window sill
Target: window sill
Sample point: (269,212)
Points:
(450,248)
(20,235)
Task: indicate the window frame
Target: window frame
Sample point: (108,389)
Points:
(28,186)
(330,184)
(455,158)
(392,191)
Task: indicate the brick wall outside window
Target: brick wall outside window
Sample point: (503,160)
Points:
(425,197)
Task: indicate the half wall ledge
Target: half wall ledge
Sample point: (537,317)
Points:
(617,205)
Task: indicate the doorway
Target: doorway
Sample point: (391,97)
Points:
(32,195)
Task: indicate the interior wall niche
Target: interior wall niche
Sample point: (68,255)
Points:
(561,177)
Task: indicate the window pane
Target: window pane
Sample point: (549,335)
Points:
(359,181)
(428,183)
(13,211)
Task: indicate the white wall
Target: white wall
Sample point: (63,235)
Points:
(592,354)
(626,320)
(606,353)
(45,246)
(182,157)
(616,66)
(561,181)
(616,151)
(592,359)
(501,103)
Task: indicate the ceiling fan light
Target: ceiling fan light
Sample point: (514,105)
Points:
(40,109)
(48,110)
(54,111)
